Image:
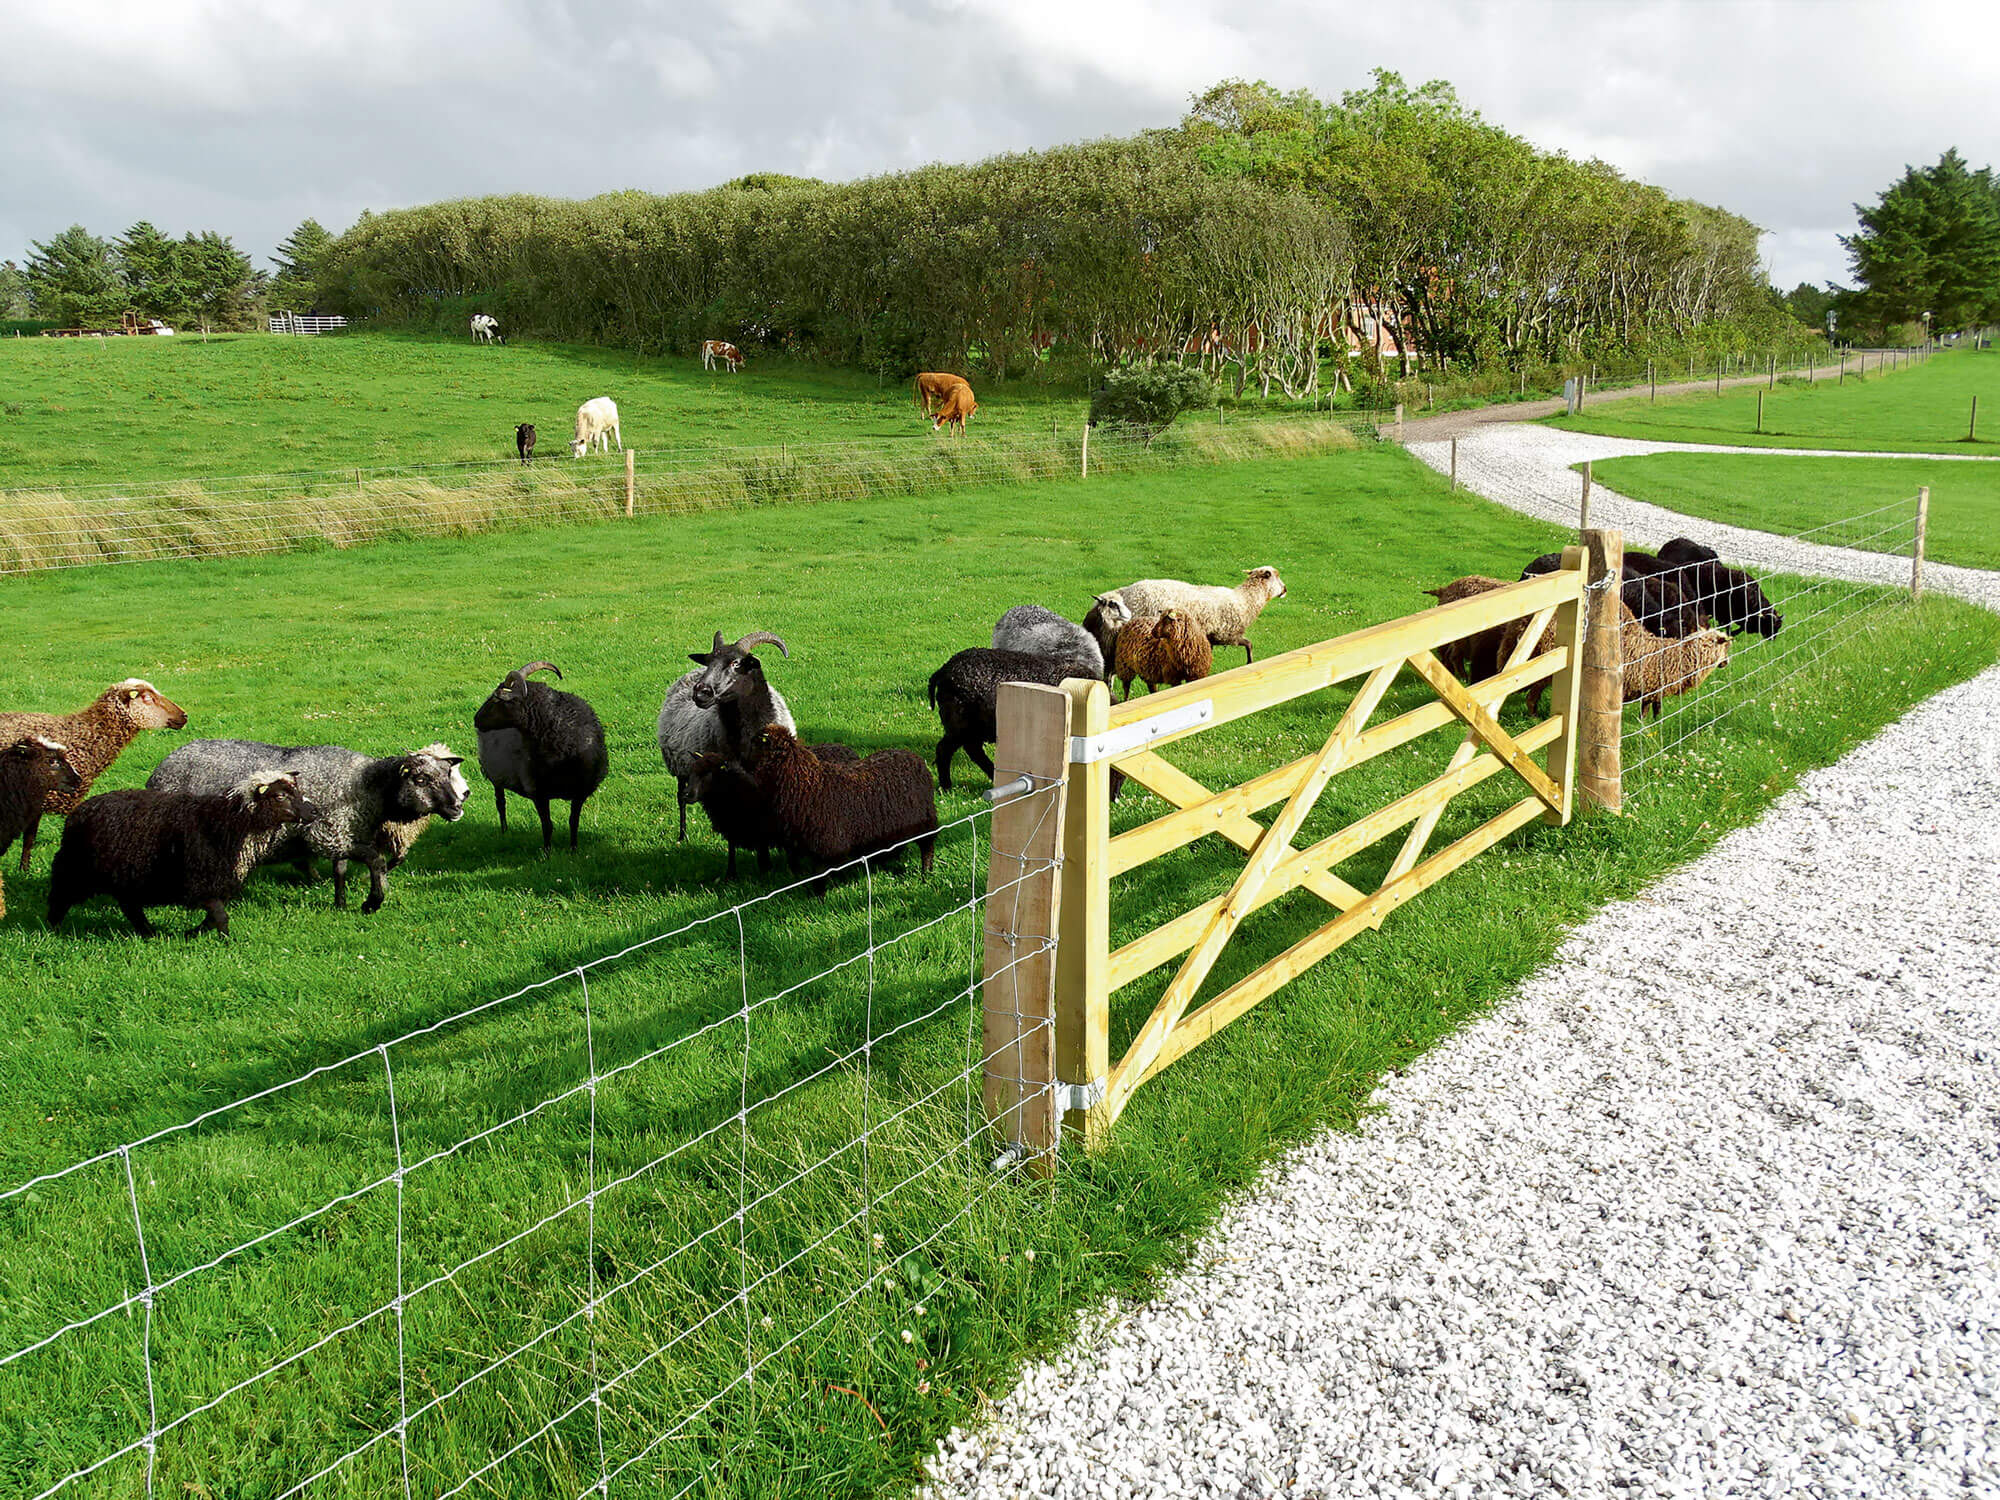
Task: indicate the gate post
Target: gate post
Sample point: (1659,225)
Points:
(1023,893)
(1601,714)
(1083,1003)
(1565,691)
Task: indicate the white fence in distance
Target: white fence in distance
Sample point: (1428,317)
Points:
(303,323)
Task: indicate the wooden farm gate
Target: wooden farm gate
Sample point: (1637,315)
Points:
(1049,1063)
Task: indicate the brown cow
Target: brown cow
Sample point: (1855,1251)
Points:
(714,349)
(958,405)
(936,387)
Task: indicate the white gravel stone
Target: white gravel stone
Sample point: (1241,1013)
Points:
(1707,1207)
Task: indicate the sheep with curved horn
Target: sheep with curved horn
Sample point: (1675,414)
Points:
(719,709)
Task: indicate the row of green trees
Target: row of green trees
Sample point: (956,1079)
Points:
(78,279)
(1260,231)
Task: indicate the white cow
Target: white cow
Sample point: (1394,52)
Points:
(596,427)
(486,330)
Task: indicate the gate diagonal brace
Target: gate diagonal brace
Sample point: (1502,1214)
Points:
(1454,696)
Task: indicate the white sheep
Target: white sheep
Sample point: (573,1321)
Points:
(596,427)
(1225,614)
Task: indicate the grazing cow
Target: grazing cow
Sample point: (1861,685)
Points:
(935,387)
(596,427)
(524,442)
(485,330)
(714,349)
(957,406)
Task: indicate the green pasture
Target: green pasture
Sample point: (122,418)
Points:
(1849,502)
(1925,408)
(870,1333)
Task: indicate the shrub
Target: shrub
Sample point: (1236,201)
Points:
(1147,398)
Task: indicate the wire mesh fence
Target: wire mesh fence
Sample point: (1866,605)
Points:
(83,526)
(616,1231)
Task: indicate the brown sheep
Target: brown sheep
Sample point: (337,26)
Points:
(1658,668)
(30,769)
(832,813)
(1165,651)
(1471,658)
(92,738)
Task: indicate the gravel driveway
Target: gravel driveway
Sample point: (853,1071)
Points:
(1707,1207)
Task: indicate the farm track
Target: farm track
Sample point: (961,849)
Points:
(1705,1206)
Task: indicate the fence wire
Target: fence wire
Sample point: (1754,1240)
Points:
(733,1176)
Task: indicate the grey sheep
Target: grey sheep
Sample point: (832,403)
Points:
(1035,631)
(1226,615)
(146,848)
(556,752)
(718,709)
(371,809)
(1108,615)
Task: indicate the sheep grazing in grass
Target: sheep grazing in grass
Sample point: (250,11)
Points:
(740,811)
(371,809)
(1657,668)
(524,442)
(557,751)
(718,709)
(1036,631)
(1163,652)
(1108,615)
(30,769)
(1729,594)
(965,691)
(91,738)
(146,848)
(1226,615)
(832,813)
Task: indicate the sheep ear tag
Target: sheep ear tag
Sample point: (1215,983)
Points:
(263,787)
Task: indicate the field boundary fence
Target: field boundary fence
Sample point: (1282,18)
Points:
(736,1189)
(99,524)
(303,323)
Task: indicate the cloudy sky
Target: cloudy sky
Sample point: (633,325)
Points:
(249,115)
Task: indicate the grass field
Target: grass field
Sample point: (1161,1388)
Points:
(383,648)
(1925,409)
(1791,494)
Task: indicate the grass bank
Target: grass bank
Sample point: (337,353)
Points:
(857,1372)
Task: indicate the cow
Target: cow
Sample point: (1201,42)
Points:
(957,406)
(524,442)
(485,330)
(934,387)
(714,349)
(596,427)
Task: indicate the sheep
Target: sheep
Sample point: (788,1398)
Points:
(146,848)
(30,769)
(1731,595)
(965,691)
(1657,668)
(524,442)
(739,810)
(596,427)
(1509,636)
(91,738)
(718,709)
(1108,615)
(1037,631)
(1225,614)
(1163,652)
(371,809)
(559,753)
(1474,656)
(832,813)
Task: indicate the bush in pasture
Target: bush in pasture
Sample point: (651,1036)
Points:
(1149,397)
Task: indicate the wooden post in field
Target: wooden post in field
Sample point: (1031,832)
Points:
(357,483)
(1566,690)
(1600,774)
(1399,421)
(631,479)
(1024,882)
(1653,380)
(1086,449)
(1774,372)
(1583,387)
(1718,375)
(1843,369)
(1083,1000)
(1972,428)
(1917,550)
(1583,510)
(1760,411)
(1524,380)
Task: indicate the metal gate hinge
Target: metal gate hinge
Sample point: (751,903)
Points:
(1079,1095)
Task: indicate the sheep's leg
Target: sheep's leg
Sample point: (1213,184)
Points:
(217,920)
(763,861)
(378,880)
(500,802)
(134,913)
(681,796)
(980,758)
(28,840)
(548,828)
(575,817)
(729,870)
(947,747)
(927,848)
(1248,654)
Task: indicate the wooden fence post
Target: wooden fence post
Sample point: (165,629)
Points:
(1774,372)
(631,479)
(1583,510)
(1917,551)
(1601,714)
(1083,1001)
(1399,421)
(1566,689)
(1760,411)
(1086,450)
(1972,428)
(1653,380)
(1454,450)
(1024,890)
(1843,369)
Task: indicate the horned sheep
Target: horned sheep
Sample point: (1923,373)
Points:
(542,744)
(718,710)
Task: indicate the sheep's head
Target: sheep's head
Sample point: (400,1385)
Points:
(1266,581)
(430,782)
(46,761)
(139,704)
(273,801)
(1114,611)
(525,434)
(502,708)
(772,739)
(729,672)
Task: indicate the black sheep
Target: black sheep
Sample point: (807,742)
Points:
(1649,590)
(524,442)
(965,691)
(145,848)
(739,810)
(561,745)
(831,813)
(30,769)
(1731,595)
